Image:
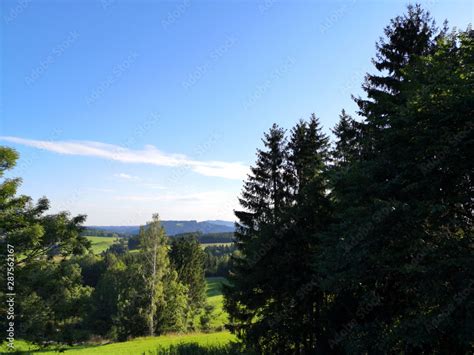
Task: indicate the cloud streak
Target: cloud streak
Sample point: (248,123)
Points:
(149,155)
(126,176)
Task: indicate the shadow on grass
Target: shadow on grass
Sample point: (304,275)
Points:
(49,349)
(179,349)
(214,286)
(196,349)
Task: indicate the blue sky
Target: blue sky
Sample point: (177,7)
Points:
(120,109)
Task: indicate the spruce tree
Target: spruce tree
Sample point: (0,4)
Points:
(432,146)
(252,299)
(400,243)
(407,37)
(347,133)
(310,214)
(277,239)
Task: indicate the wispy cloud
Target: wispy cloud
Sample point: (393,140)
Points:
(149,155)
(126,176)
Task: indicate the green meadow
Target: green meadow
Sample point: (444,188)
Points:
(216,299)
(136,346)
(100,244)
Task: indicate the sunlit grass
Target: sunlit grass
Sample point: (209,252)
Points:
(100,244)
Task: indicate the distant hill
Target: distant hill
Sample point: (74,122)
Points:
(222,223)
(171,228)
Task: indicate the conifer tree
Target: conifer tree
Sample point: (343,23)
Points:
(282,243)
(407,37)
(252,298)
(431,144)
(396,219)
(310,214)
(347,133)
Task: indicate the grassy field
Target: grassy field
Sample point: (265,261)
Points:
(135,346)
(215,298)
(151,344)
(100,244)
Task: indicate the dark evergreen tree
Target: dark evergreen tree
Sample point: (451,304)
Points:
(252,298)
(347,133)
(400,242)
(407,37)
(309,215)
(431,143)
(288,197)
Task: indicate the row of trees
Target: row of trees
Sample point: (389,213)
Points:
(132,241)
(366,246)
(218,260)
(65,293)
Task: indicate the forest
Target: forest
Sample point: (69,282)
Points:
(357,243)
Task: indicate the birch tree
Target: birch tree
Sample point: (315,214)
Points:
(155,265)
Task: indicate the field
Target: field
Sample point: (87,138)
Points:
(100,244)
(136,346)
(215,298)
(151,344)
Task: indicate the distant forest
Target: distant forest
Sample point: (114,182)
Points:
(207,238)
(171,228)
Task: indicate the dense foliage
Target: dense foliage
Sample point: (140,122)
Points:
(367,247)
(218,260)
(209,238)
(187,258)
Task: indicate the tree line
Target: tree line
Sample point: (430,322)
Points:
(365,246)
(217,258)
(218,261)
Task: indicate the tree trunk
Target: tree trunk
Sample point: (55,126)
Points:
(151,317)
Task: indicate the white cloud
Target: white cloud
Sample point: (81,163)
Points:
(149,155)
(126,176)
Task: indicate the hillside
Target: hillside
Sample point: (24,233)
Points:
(171,227)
